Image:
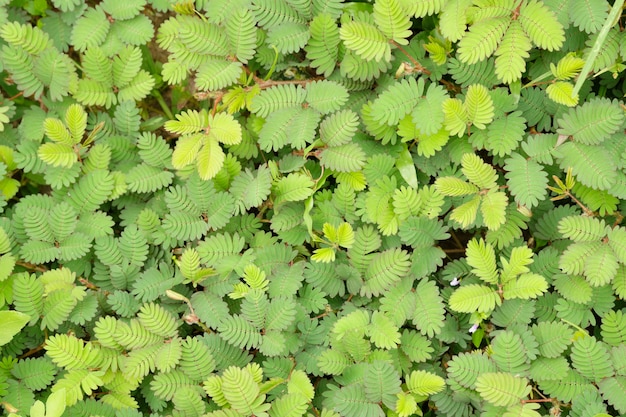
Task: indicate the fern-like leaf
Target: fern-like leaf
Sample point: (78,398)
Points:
(591,358)
(288,37)
(276,98)
(511,53)
(326,96)
(474,297)
(593,166)
(593,122)
(366,40)
(526,179)
(217,74)
(502,389)
(482,258)
(541,25)
(588,15)
(91,29)
(392,21)
(241,33)
(322,48)
(479,106)
(482,40)
(397,101)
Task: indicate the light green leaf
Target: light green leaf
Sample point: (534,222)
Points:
(12,323)
(502,389)
(406,166)
(424,383)
(473,298)
(57,154)
(526,286)
(561,92)
(493,209)
(478,172)
(210,159)
(479,105)
(465,214)
(323,255)
(294,187)
(225,129)
(187,148)
(481,256)
(453,186)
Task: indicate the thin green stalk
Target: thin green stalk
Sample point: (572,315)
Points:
(159,98)
(595,50)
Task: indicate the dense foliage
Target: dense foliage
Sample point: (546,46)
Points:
(317,208)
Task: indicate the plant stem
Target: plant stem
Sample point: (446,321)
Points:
(159,98)
(419,67)
(597,46)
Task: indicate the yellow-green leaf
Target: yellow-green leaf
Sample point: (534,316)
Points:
(561,92)
(57,154)
(187,148)
(12,323)
(210,159)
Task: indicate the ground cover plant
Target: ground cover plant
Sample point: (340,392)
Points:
(317,208)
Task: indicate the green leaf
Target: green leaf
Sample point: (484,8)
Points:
(288,37)
(561,92)
(217,74)
(12,323)
(392,21)
(568,67)
(455,116)
(186,151)
(241,33)
(453,186)
(453,19)
(526,286)
(493,208)
(588,15)
(406,166)
(593,122)
(190,121)
(125,66)
(326,96)
(56,131)
(366,40)
(424,383)
(465,214)
(382,332)
(240,390)
(614,392)
(482,258)
(516,265)
(344,158)
(138,88)
(225,129)
(511,53)
(343,235)
(294,187)
(473,298)
(478,172)
(323,48)
(57,154)
(502,389)
(482,39)
(541,25)
(593,166)
(526,179)
(479,105)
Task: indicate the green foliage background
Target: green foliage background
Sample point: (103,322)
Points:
(316,208)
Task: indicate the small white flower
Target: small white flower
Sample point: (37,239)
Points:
(455,282)
(474,328)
